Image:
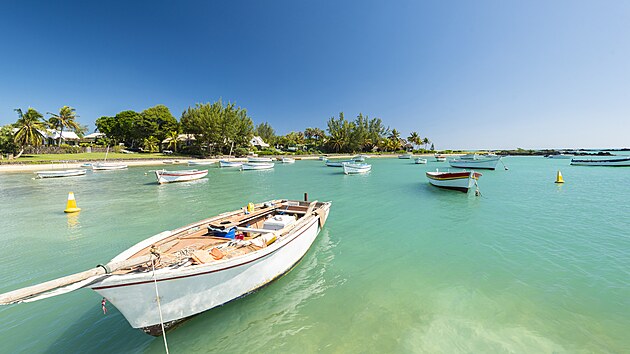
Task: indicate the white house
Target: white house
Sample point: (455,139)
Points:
(50,136)
(258,142)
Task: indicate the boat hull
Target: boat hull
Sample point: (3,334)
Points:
(405,156)
(477,164)
(459,181)
(179,176)
(108,166)
(225,164)
(257,166)
(608,162)
(353,169)
(200,288)
(60,173)
(337,163)
(287,160)
(200,163)
(259,159)
(420,161)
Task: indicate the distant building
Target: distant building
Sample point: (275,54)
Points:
(51,137)
(258,142)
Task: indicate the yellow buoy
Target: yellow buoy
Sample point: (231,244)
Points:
(559,177)
(71,206)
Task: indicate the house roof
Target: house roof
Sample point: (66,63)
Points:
(256,140)
(94,136)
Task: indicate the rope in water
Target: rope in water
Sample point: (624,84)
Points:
(157,296)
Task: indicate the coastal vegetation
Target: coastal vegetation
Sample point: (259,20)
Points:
(204,129)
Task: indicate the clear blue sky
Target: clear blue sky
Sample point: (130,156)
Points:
(465,74)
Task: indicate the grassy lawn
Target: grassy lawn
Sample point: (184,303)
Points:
(95,156)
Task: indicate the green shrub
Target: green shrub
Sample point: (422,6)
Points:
(240,151)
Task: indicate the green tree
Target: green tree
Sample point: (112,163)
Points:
(157,121)
(172,140)
(64,119)
(426,142)
(339,131)
(266,132)
(216,126)
(7,144)
(150,144)
(414,138)
(30,126)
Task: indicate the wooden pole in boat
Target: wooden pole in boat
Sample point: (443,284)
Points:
(306,197)
(20,295)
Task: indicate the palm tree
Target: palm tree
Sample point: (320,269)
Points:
(426,142)
(414,138)
(172,140)
(150,144)
(65,118)
(29,126)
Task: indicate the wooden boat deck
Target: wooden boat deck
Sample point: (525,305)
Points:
(193,244)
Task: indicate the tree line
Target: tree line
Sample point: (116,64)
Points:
(208,128)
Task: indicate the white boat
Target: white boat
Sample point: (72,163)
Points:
(405,156)
(440,158)
(256,166)
(560,156)
(225,163)
(200,163)
(322,158)
(86,164)
(460,181)
(359,158)
(475,161)
(259,159)
(196,267)
(287,160)
(419,160)
(108,166)
(164,176)
(621,161)
(356,168)
(60,173)
(337,163)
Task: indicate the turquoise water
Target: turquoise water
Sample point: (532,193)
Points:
(529,267)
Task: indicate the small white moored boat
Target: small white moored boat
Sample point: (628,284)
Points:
(256,166)
(337,163)
(475,161)
(419,160)
(200,163)
(259,159)
(287,160)
(460,181)
(356,168)
(60,173)
(164,176)
(108,166)
(225,163)
(405,156)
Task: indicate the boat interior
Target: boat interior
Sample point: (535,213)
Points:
(228,235)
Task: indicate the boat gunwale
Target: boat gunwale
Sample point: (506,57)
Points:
(202,269)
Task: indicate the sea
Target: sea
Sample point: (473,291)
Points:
(528,266)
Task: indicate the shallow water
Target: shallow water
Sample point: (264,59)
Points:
(401,266)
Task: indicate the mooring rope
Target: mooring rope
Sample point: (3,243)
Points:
(157,296)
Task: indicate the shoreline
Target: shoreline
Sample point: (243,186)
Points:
(33,167)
